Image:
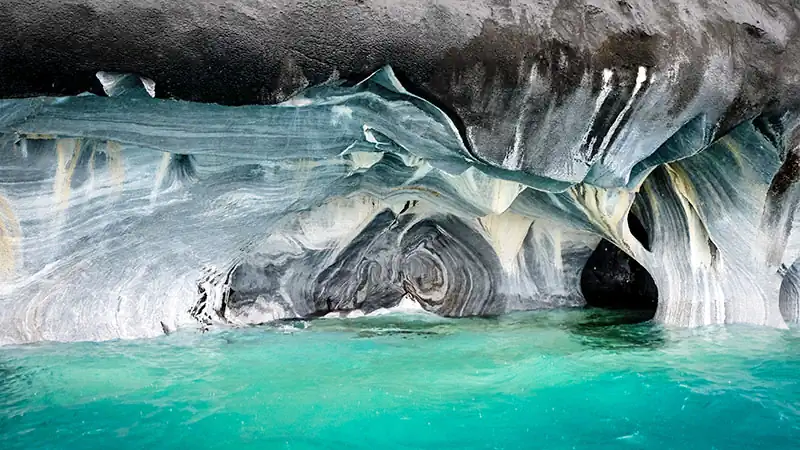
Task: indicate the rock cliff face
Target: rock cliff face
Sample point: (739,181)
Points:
(459,157)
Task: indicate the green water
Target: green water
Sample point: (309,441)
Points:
(557,380)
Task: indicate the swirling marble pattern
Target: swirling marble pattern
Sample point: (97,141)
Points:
(710,255)
(130,216)
(790,294)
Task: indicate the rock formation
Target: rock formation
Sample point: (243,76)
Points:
(166,163)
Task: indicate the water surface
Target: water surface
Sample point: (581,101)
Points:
(554,380)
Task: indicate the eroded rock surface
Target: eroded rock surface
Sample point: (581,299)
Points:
(424,155)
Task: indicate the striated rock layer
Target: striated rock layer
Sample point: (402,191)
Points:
(403,154)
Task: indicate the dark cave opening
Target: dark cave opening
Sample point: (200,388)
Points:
(611,279)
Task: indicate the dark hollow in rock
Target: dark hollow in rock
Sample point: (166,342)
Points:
(612,279)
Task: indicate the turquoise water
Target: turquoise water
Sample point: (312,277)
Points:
(556,380)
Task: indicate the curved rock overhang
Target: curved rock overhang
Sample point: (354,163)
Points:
(472,172)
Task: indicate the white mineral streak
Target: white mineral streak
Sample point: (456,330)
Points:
(605,90)
(641,77)
(513,159)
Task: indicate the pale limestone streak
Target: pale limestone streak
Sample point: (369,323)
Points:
(364,160)
(608,210)
(699,237)
(161,174)
(116,165)
(68,152)
(10,235)
(506,232)
(494,195)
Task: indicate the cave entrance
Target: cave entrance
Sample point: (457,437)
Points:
(612,280)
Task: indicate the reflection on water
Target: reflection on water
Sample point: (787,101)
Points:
(618,329)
